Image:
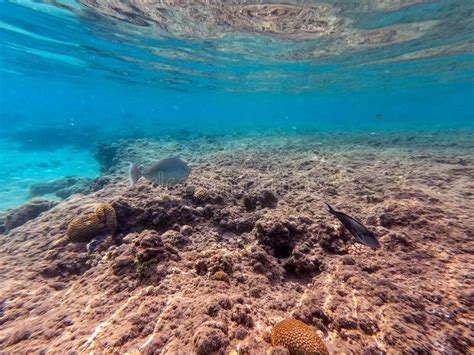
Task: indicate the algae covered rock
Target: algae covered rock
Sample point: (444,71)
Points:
(200,194)
(144,256)
(105,154)
(62,187)
(220,276)
(279,350)
(18,216)
(211,339)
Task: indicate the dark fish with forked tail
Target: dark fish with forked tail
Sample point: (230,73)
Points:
(356,228)
(166,172)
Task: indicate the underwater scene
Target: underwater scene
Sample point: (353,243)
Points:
(237,177)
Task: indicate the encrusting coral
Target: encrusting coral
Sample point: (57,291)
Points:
(84,228)
(298,337)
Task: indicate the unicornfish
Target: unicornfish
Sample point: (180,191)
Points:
(166,172)
(356,228)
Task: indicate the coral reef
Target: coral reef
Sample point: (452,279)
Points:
(215,275)
(105,154)
(298,338)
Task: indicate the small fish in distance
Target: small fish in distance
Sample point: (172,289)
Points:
(356,228)
(166,172)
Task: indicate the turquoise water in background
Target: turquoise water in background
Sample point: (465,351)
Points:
(74,73)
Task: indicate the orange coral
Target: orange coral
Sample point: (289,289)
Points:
(298,337)
(84,228)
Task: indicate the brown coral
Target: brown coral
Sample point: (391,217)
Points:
(298,338)
(84,228)
(106,215)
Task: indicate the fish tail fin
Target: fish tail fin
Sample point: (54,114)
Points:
(134,174)
(330,209)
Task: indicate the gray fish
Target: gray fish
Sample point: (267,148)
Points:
(356,228)
(166,172)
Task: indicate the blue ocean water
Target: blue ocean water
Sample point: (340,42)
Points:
(74,73)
